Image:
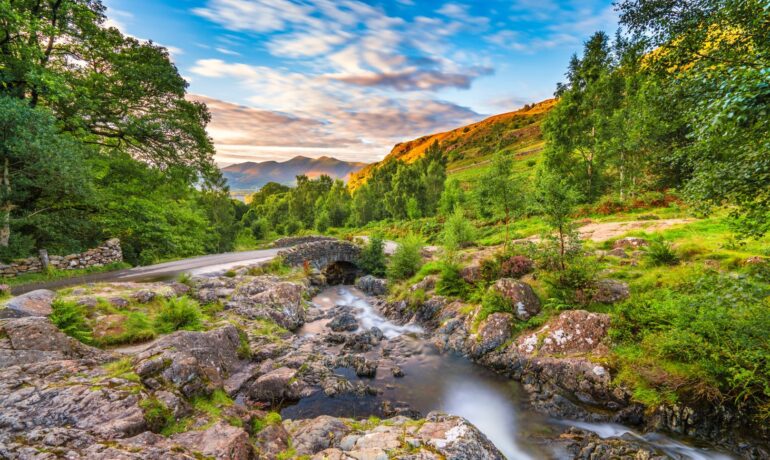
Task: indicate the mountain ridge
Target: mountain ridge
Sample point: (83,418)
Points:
(255,174)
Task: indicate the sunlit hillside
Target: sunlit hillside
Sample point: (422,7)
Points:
(473,145)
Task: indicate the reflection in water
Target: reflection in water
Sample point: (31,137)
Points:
(453,384)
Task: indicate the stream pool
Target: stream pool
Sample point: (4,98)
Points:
(453,384)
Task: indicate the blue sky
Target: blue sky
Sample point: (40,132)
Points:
(349,78)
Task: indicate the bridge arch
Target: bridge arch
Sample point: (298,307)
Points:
(336,259)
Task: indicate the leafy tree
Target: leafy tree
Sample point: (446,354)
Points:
(43,177)
(452,197)
(499,192)
(458,231)
(557,199)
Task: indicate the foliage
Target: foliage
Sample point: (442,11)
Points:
(259,424)
(493,302)
(516,266)
(451,284)
(499,193)
(574,284)
(179,313)
(557,199)
(136,328)
(157,415)
(372,258)
(704,339)
(407,258)
(458,232)
(71,319)
(660,252)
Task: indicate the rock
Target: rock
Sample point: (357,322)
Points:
(630,242)
(493,332)
(577,443)
(196,363)
(179,289)
(471,273)
(276,386)
(611,291)
(454,437)
(526,304)
(221,441)
(371,285)
(263,298)
(427,284)
(618,252)
(345,322)
(36,340)
(363,366)
(572,332)
(119,302)
(272,440)
(396,371)
(33,303)
(5,290)
(143,296)
(314,435)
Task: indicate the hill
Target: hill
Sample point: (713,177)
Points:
(472,145)
(253,175)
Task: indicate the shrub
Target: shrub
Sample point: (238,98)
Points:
(516,266)
(136,328)
(489,269)
(494,302)
(575,284)
(181,313)
(372,258)
(458,231)
(275,266)
(450,283)
(71,319)
(407,258)
(157,415)
(660,252)
(706,338)
(260,228)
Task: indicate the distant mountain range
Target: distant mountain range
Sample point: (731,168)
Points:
(253,175)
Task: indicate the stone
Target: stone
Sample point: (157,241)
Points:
(222,442)
(33,303)
(471,273)
(195,363)
(263,298)
(493,332)
(345,322)
(618,252)
(321,254)
(314,435)
(526,304)
(611,291)
(454,437)
(371,285)
(35,340)
(276,386)
(630,242)
(143,296)
(119,302)
(573,332)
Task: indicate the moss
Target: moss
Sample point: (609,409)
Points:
(259,424)
(122,369)
(157,415)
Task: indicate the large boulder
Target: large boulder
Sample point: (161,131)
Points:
(195,363)
(573,332)
(344,322)
(264,298)
(36,339)
(276,386)
(454,437)
(33,303)
(493,332)
(221,442)
(611,291)
(525,302)
(314,435)
(371,285)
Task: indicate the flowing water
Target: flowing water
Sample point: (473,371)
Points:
(453,384)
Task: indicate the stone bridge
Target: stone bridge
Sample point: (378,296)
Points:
(336,259)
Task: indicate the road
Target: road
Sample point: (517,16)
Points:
(165,271)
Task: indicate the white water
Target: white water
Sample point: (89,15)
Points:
(368,316)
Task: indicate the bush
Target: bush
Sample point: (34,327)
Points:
(660,252)
(137,328)
(157,415)
(260,229)
(407,259)
(516,266)
(372,258)
(451,284)
(458,231)
(181,313)
(494,302)
(70,318)
(575,284)
(707,338)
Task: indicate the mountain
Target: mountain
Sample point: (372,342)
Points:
(474,144)
(253,175)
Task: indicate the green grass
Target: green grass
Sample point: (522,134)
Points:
(123,369)
(54,275)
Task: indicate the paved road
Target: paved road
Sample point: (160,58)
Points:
(165,271)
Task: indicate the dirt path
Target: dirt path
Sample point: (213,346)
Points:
(603,231)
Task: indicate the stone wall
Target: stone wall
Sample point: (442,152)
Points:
(109,252)
(295,240)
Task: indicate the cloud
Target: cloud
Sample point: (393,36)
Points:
(415,80)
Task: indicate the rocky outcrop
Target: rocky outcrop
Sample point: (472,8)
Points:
(493,332)
(611,291)
(371,285)
(630,242)
(33,303)
(344,322)
(438,436)
(267,298)
(193,363)
(525,302)
(276,386)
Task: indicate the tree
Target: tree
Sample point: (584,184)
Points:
(372,258)
(43,176)
(452,197)
(407,258)
(500,192)
(458,231)
(557,199)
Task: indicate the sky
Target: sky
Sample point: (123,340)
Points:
(349,78)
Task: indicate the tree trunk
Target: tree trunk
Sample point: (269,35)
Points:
(5,230)
(507,237)
(561,248)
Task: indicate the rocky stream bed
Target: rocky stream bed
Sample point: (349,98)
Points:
(352,376)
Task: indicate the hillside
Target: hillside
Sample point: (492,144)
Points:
(472,145)
(253,175)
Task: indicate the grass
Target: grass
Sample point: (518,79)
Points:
(54,275)
(181,313)
(122,369)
